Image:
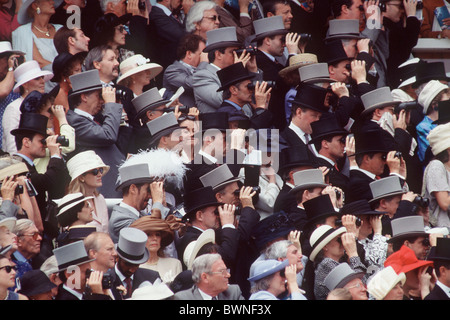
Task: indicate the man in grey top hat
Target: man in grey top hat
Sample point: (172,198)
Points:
(88,98)
(221,46)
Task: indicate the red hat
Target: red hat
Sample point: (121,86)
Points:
(405,260)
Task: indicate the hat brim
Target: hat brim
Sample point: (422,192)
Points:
(416,83)
(144,258)
(193,210)
(270,33)
(407,82)
(219,45)
(222,184)
(133,181)
(302,104)
(11,52)
(151,107)
(391,194)
(159,135)
(406,235)
(73,204)
(307,186)
(343,36)
(43,73)
(325,241)
(316,80)
(153,67)
(235,81)
(19,130)
(9,223)
(350,277)
(380,105)
(74,263)
(23,18)
(284,72)
(269,272)
(78,92)
(328,134)
(205,238)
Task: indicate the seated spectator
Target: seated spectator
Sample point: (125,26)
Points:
(7,280)
(71,41)
(7,236)
(202,17)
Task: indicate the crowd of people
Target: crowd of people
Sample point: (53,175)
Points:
(215,150)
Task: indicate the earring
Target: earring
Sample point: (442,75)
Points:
(38,10)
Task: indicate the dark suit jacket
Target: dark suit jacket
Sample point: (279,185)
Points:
(63,294)
(358,186)
(437,294)
(336,178)
(288,138)
(140,276)
(166,32)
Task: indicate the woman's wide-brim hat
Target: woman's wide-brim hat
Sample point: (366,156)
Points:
(405,260)
(27,71)
(165,227)
(22,15)
(192,249)
(84,162)
(9,223)
(62,60)
(298,61)
(384,281)
(7,50)
(65,216)
(439,138)
(261,269)
(13,169)
(321,237)
(136,64)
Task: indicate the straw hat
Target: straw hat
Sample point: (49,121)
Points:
(439,138)
(429,92)
(136,64)
(192,249)
(11,167)
(321,237)
(27,71)
(297,61)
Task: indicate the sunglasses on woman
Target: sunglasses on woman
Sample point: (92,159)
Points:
(8,269)
(96,171)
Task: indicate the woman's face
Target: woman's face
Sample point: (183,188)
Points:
(37,84)
(85,215)
(93,180)
(7,280)
(119,35)
(46,6)
(8,238)
(294,256)
(277,285)
(334,249)
(154,241)
(396,293)
(142,78)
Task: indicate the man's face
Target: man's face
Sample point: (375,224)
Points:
(29,243)
(354,12)
(394,10)
(107,254)
(81,41)
(336,147)
(94,102)
(7,238)
(285,11)
(120,8)
(419,247)
(108,67)
(340,72)
(143,196)
(229,195)
(209,218)
(306,117)
(391,204)
(228,57)
(127,268)
(196,55)
(210,21)
(36,148)
(243,93)
(350,47)
(218,277)
(276,45)
(376,163)
(357,289)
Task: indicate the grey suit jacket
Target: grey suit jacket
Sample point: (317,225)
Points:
(8,209)
(179,75)
(232,293)
(102,139)
(205,84)
(120,218)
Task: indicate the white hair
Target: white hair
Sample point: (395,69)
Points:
(196,13)
(104,3)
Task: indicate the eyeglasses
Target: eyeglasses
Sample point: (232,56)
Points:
(8,269)
(358,285)
(213,18)
(223,272)
(96,171)
(120,29)
(35,235)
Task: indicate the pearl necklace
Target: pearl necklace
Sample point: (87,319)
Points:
(47,33)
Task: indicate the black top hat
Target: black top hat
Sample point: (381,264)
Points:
(35,282)
(199,199)
(374,141)
(62,60)
(32,122)
(334,52)
(406,72)
(311,96)
(443,112)
(214,120)
(441,251)
(232,74)
(427,71)
(359,207)
(327,126)
(319,208)
(297,156)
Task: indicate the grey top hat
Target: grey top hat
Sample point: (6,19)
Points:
(313,73)
(134,173)
(131,245)
(407,227)
(341,275)
(385,187)
(221,38)
(85,81)
(343,29)
(162,126)
(378,98)
(218,177)
(71,254)
(267,27)
(309,178)
(148,100)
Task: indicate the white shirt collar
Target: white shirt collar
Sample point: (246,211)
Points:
(120,275)
(127,206)
(325,158)
(83,113)
(215,66)
(75,293)
(443,287)
(298,131)
(205,296)
(369,174)
(271,57)
(163,8)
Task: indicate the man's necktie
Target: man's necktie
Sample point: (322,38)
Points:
(128,285)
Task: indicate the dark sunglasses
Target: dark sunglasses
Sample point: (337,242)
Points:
(96,171)
(8,269)
(120,28)
(213,18)
(426,242)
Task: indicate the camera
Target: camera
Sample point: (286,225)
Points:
(141,4)
(421,201)
(338,222)
(252,85)
(121,95)
(182,109)
(107,280)
(405,106)
(250,50)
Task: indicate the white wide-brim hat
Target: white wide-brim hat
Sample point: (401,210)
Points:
(27,71)
(384,281)
(192,249)
(136,64)
(9,223)
(22,15)
(84,162)
(321,237)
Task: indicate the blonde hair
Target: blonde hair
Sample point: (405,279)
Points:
(77,186)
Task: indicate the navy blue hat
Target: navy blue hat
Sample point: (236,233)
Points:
(275,226)
(35,282)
